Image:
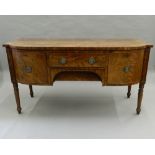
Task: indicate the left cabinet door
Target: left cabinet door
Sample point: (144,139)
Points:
(30,66)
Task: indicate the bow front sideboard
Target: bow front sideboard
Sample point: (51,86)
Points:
(114,62)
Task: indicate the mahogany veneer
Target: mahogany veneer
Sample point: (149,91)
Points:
(113,62)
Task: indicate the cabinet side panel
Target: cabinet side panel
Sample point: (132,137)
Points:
(11,65)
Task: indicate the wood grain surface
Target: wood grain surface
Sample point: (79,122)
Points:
(117,63)
(77,59)
(76,43)
(37,63)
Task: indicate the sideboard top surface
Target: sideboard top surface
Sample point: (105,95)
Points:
(115,44)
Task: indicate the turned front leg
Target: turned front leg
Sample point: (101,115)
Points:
(31,91)
(16,92)
(129,91)
(140,96)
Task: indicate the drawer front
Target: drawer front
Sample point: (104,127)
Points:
(125,68)
(76,60)
(30,67)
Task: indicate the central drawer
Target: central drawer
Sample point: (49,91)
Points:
(73,59)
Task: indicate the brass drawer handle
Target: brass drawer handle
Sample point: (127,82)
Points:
(126,69)
(63,61)
(91,60)
(27,69)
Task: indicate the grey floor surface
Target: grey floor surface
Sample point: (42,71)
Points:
(77,110)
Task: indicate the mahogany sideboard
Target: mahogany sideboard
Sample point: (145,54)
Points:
(114,62)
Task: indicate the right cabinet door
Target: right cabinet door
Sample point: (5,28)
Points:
(125,67)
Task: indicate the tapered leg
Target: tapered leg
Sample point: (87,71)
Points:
(31,91)
(140,96)
(16,92)
(129,91)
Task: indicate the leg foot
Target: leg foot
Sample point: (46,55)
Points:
(129,91)
(19,110)
(140,96)
(138,111)
(16,92)
(31,91)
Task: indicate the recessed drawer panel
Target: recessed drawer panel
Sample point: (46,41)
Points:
(77,60)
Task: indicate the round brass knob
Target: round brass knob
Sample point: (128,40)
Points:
(63,60)
(91,60)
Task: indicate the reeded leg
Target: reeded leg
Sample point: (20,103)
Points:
(16,92)
(129,91)
(31,91)
(140,96)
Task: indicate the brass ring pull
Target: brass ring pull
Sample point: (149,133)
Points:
(91,60)
(63,61)
(27,69)
(126,69)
